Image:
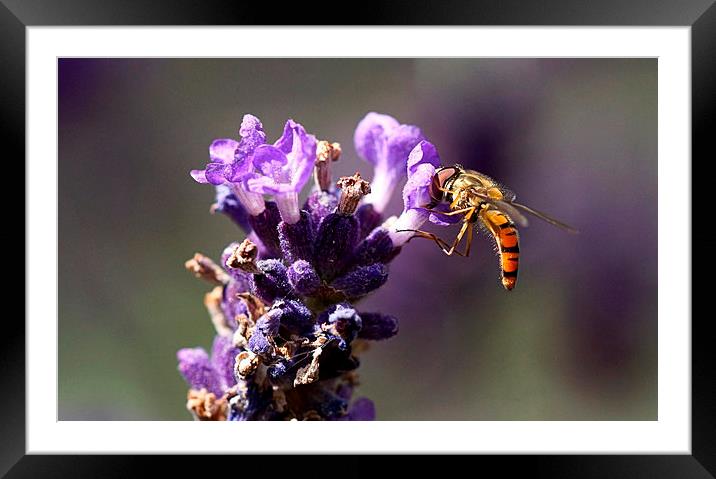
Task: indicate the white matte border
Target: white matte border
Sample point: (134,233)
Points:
(670,434)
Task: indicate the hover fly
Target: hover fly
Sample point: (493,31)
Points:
(478,197)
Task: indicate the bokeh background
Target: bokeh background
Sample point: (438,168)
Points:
(576,340)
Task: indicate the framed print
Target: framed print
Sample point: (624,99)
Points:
(353,202)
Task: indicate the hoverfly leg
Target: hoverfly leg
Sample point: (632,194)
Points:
(468,242)
(450,213)
(446,248)
(442,244)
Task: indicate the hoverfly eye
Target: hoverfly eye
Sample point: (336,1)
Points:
(437,187)
(435,194)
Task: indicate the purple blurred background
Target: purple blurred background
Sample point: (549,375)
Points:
(577,138)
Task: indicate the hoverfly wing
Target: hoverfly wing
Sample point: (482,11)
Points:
(512,212)
(546,218)
(506,207)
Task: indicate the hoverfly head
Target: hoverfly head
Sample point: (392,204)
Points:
(439,187)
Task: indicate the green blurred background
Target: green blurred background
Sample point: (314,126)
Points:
(576,340)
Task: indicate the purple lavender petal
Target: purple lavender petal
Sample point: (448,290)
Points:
(214,173)
(438,215)
(287,165)
(223,356)
(378,326)
(423,153)
(302,157)
(197,370)
(399,145)
(410,219)
(380,140)
(222,151)
(362,281)
(266,185)
(273,283)
(335,240)
(199,176)
(416,193)
(271,161)
(303,278)
(369,137)
(265,226)
(422,162)
(285,142)
(296,239)
(252,135)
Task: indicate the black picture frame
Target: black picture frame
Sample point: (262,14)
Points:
(16,15)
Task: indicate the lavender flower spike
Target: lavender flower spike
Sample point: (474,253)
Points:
(385,143)
(285,167)
(231,162)
(282,301)
(422,162)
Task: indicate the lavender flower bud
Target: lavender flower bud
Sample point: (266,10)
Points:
(378,326)
(297,238)
(294,316)
(272,282)
(320,204)
(231,304)
(269,323)
(376,248)
(223,355)
(362,281)
(303,278)
(339,232)
(369,219)
(196,368)
(336,238)
(265,226)
(260,343)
